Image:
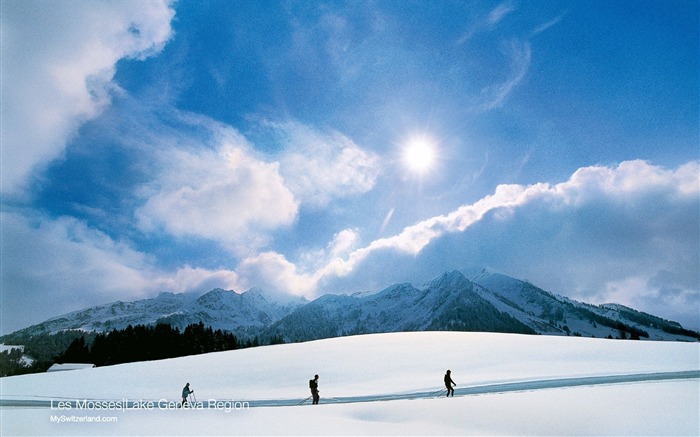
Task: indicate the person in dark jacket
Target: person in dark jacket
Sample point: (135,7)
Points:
(449,383)
(185,393)
(313,385)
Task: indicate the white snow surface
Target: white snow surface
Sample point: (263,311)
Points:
(400,365)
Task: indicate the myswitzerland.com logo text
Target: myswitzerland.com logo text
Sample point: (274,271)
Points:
(82,419)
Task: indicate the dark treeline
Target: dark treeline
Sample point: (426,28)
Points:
(12,362)
(142,343)
(133,343)
(42,349)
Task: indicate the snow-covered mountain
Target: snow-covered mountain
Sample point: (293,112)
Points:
(472,300)
(550,314)
(448,303)
(243,313)
(490,302)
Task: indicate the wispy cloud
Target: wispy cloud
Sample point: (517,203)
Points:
(515,51)
(519,56)
(551,23)
(499,12)
(387,219)
(488,22)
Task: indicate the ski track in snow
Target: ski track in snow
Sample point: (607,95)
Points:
(15,401)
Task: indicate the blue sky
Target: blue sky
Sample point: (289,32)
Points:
(156,146)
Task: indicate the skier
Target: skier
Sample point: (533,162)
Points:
(449,383)
(185,393)
(313,385)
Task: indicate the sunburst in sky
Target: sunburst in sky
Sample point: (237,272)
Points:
(420,154)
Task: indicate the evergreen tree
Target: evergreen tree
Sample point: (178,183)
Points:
(77,352)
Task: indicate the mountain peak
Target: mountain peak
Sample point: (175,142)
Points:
(217,292)
(274,297)
(450,279)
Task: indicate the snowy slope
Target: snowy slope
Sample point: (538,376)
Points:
(401,366)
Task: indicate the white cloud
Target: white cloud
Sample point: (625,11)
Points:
(272,271)
(413,239)
(188,278)
(630,180)
(213,185)
(321,166)
(224,194)
(58,63)
(343,242)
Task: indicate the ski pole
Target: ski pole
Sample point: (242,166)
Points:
(302,402)
(439,392)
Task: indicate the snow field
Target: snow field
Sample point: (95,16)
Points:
(384,364)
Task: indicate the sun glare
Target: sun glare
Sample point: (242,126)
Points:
(419,155)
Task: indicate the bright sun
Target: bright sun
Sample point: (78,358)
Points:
(419,155)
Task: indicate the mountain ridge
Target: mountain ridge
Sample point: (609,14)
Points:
(467,300)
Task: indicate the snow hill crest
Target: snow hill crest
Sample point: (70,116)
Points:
(469,300)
